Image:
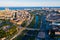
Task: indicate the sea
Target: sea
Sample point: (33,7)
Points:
(24,8)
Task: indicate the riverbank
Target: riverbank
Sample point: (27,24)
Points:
(35,22)
(27,35)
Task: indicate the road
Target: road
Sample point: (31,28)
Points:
(19,32)
(30,28)
(28,24)
(21,29)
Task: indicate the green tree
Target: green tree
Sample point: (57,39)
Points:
(2,33)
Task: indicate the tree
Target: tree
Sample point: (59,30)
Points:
(2,34)
(52,34)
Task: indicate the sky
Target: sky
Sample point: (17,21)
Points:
(28,3)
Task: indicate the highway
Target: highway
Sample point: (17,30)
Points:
(32,31)
(19,32)
(28,24)
(21,29)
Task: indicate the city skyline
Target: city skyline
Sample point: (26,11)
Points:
(28,3)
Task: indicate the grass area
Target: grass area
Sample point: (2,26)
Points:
(24,24)
(30,37)
(5,22)
(22,35)
(35,32)
(2,34)
(12,30)
(32,23)
(58,36)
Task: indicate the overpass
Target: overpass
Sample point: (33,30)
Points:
(30,28)
(29,34)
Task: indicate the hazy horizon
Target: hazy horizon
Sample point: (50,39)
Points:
(29,3)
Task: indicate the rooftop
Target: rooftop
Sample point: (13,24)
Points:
(53,17)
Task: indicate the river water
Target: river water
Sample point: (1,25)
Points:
(31,32)
(36,21)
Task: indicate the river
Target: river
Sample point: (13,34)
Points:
(31,32)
